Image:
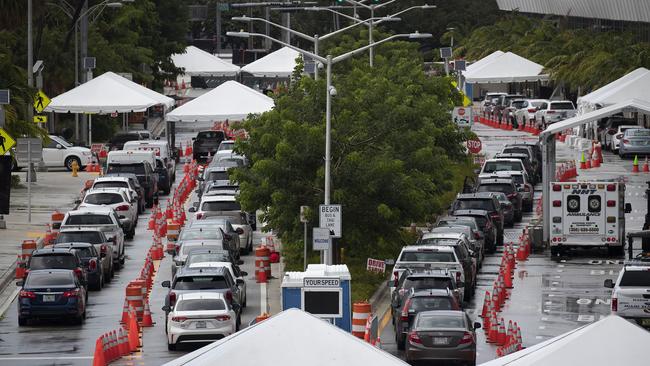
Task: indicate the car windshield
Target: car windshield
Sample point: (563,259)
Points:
(200,283)
(200,234)
(424,303)
(505,188)
(635,279)
(217,175)
(137,169)
(423,283)
(207,257)
(474,204)
(62,141)
(438,241)
(537,103)
(111,184)
(562,105)
(515,150)
(187,248)
(226,146)
(91,237)
(85,252)
(200,304)
(440,321)
(637,133)
(52,261)
(427,256)
(49,279)
(221,206)
(210,135)
(518,103)
(103,198)
(499,166)
(89,219)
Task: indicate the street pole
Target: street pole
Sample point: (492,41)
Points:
(30,57)
(316,53)
(267,28)
(328,143)
(305,247)
(370,39)
(76,77)
(83,53)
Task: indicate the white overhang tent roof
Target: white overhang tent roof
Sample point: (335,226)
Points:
(485,60)
(162,99)
(634,85)
(506,68)
(229,101)
(290,338)
(106,93)
(197,62)
(626,10)
(280,63)
(641,105)
(610,341)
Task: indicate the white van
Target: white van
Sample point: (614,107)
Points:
(130,157)
(159,147)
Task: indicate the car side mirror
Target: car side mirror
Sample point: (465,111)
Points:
(240,281)
(192,209)
(102,255)
(125,221)
(244,273)
(609,283)
(166,308)
(240,262)
(111,240)
(20,283)
(77,202)
(166,284)
(59,146)
(477,325)
(239,231)
(628,207)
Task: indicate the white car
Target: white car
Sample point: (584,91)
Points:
(631,292)
(526,113)
(120,182)
(60,153)
(119,199)
(199,317)
(616,138)
(235,272)
(226,147)
(554,111)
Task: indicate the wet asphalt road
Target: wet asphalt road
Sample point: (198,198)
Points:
(550,296)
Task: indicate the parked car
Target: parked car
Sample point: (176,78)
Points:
(235,272)
(120,200)
(481,201)
(617,136)
(51,293)
(232,232)
(524,187)
(631,290)
(118,181)
(238,220)
(507,186)
(477,235)
(160,148)
(60,153)
(418,301)
(206,144)
(508,210)
(510,109)
(475,240)
(104,219)
(635,141)
(492,166)
(422,279)
(554,111)
(489,100)
(447,336)
(200,317)
(525,160)
(140,163)
(212,237)
(219,188)
(525,114)
(532,158)
(199,255)
(501,107)
(93,262)
(94,236)
(607,128)
(226,147)
(488,227)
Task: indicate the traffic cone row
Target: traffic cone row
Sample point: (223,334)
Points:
(512,341)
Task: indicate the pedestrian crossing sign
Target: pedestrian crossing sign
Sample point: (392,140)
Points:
(40,118)
(6,142)
(40,101)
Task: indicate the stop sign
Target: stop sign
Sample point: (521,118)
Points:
(474,146)
(461,111)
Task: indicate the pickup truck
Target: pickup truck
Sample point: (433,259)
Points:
(206,144)
(105,219)
(425,257)
(631,291)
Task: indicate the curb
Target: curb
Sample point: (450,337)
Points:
(378,299)
(9,275)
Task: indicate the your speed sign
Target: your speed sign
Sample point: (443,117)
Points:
(474,146)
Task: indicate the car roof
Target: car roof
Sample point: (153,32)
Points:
(107,190)
(419,248)
(560,101)
(52,250)
(471,213)
(441,312)
(431,292)
(73,244)
(216,169)
(202,250)
(224,198)
(187,271)
(441,234)
(488,181)
(502,159)
(200,295)
(210,220)
(481,195)
(91,210)
(508,155)
(111,178)
(210,265)
(76,228)
(450,229)
(49,270)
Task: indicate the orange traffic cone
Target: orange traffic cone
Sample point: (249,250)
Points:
(124,343)
(595,162)
(493,334)
(635,167)
(98,357)
(125,312)
(146,318)
(501,338)
(583,163)
(20,268)
(486,304)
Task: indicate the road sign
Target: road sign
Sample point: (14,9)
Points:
(29,150)
(445,52)
(376,265)
(321,282)
(460,65)
(462,116)
(6,142)
(303,214)
(330,218)
(40,101)
(474,146)
(40,118)
(321,238)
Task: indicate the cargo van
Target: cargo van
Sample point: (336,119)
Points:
(160,148)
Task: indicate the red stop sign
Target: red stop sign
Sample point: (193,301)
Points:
(461,111)
(474,146)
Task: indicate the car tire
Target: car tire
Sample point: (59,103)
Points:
(68,162)
(401,343)
(499,239)
(244,304)
(171,346)
(238,323)
(22,321)
(78,320)
(131,233)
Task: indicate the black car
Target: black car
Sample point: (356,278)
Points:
(51,293)
(58,258)
(206,144)
(537,151)
(92,261)
(486,225)
(119,139)
(507,186)
(164,180)
(422,279)
(146,175)
(98,239)
(481,201)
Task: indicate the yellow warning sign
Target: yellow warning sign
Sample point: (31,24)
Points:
(40,101)
(466,101)
(40,118)
(6,142)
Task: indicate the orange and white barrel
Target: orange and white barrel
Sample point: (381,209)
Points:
(261,261)
(56,220)
(27,248)
(361,311)
(173,229)
(135,299)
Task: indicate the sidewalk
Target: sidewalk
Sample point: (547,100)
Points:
(53,190)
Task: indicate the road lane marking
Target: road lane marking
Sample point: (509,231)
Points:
(384,321)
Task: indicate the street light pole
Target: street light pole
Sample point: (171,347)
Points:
(30,55)
(328,131)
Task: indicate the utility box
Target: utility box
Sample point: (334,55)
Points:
(323,291)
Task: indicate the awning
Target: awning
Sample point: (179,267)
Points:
(278,64)
(634,85)
(197,62)
(506,68)
(162,99)
(229,101)
(485,60)
(576,121)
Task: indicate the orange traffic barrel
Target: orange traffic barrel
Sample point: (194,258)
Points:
(56,219)
(261,317)
(28,246)
(262,262)
(360,313)
(135,299)
(173,229)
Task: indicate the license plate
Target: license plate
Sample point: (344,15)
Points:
(48,298)
(440,341)
(645,322)
(200,325)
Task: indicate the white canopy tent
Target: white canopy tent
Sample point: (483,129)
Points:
(278,64)
(166,101)
(229,101)
(610,341)
(485,60)
(634,85)
(290,338)
(197,62)
(505,68)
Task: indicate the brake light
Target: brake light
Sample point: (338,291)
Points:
(557,187)
(557,203)
(395,278)
(26,295)
(222,318)
(611,203)
(92,264)
(199,216)
(405,310)
(78,272)
(468,338)
(413,338)
(172,298)
(229,295)
(611,187)
(494,215)
(122,208)
(71,293)
(532,110)
(103,249)
(457,277)
(477,235)
(179,319)
(626,141)
(526,189)
(614,304)
(550,112)
(511,195)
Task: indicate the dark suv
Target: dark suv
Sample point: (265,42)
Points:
(486,225)
(147,177)
(58,258)
(97,238)
(119,139)
(481,201)
(503,185)
(422,279)
(92,260)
